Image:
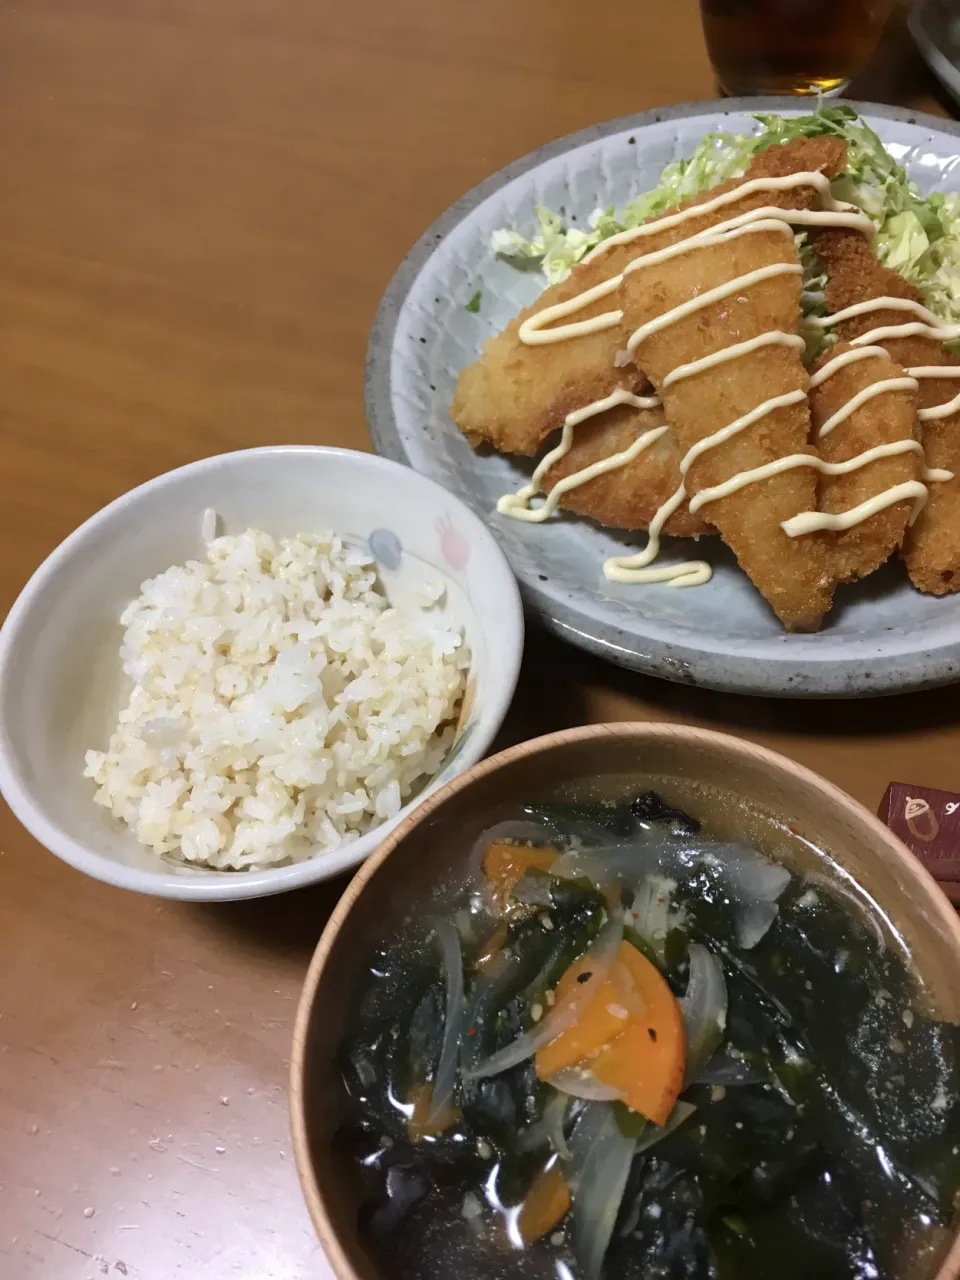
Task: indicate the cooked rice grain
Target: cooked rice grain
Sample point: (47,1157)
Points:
(280,707)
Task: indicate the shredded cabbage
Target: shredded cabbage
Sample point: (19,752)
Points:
(917,235)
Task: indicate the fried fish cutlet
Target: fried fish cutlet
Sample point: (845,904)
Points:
(793,574)
(931,549)
(886,418)
(931,546)
(627,497)
(515,394)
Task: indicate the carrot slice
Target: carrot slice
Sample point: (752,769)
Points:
(419,1124)
(604,1018)
(630,1034)
(547,1203)
(505,865)
(646,1062)
(493,947)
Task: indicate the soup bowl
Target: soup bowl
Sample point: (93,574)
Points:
(736,788)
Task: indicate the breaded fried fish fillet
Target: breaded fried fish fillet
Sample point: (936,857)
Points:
(931,548)
(516,394)
(628,496)
(885,418)
(793,574)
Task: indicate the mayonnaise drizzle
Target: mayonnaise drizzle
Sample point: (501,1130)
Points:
(739,424)
(693,305)
(794,460)
(875,304)
(774,338)
(633,569)
(937,371)
(534,331)
(812,521)
(518,504)
(838,362)
(788,182)
(931,326)
(868,393)
(945,410)
(942,333)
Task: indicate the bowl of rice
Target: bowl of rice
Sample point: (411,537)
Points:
(237,678)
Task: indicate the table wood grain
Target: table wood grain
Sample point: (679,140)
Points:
(201,202)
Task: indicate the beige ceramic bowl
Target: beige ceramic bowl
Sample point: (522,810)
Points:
(438,835)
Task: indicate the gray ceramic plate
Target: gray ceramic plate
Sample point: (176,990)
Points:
(882,637)
(935,25)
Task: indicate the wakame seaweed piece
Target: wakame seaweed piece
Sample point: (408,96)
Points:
(841,999)
(755,1023)
(630,1123)
(897,1193)
(747,1146)
(661,1228)
(814,1232)
(500,1007)
(575,899)
(547,944)
(673,963)
(896,1069)
(426,1033)
(650,809)
(711,915)
(402,1188)
(574,917)
(588,820)
(572,820)
(913,1082)
(376,1059)
(642,945)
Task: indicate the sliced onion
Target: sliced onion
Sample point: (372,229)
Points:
(722,1069)
(704,1009)
(615,863)
(448,940)
(584,1134)
(599,1183)
(654,1133)
(488,994)
(651,912)
(749,875)
(598,958)
(753,922)
(580,1083)
(554,1115)
(753,882)
(548,1129)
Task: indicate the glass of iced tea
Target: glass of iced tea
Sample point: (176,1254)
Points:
(791,46)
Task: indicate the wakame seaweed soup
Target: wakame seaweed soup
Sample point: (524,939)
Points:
(632,1050)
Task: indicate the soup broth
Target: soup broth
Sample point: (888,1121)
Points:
(628,1045)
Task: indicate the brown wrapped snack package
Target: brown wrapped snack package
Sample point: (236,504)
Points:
(928,823)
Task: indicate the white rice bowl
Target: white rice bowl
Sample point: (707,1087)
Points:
(280,707)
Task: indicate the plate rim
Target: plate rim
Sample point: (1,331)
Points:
(942,66)
(678,662)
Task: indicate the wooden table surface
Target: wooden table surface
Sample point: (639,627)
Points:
(200,205)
